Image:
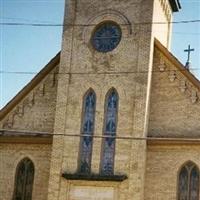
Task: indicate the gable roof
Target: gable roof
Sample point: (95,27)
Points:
(33,83)
(45,71)
(178,64)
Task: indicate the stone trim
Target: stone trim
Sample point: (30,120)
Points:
(172,141)
(8,136)
(107,15)
(24,133)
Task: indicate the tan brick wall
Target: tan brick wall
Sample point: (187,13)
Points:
(163,164)
(175,106)
(36,111)
(11,154)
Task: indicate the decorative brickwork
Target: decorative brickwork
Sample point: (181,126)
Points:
(175,104)
(36,110)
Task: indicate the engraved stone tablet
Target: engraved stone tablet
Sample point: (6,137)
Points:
(92,193)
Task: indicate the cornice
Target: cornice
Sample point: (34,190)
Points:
(175,5)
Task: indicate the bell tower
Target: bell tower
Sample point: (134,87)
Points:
(107,49)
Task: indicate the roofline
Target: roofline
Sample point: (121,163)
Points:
(20,95)
(4,132)
(15,136)
(175,5)
(172,141)
(178,64)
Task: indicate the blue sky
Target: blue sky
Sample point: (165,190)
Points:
(185,34)
(28,49)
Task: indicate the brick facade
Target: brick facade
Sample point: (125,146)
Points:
(156,101)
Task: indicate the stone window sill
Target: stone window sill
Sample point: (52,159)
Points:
(94,177)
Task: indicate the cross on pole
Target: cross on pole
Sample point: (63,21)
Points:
(189,50)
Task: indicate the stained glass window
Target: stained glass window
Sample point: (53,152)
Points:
(89,105)
(188,186)
(108,152)
(106,37)
(24,180)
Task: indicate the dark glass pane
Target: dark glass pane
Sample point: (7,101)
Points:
(108,157)
(111,114)
(29,180)
(110,130)
(24,180)
(88,129)
(89,111)
(183,184)
(106,37)
(20,180)
(194,184)
(189,182)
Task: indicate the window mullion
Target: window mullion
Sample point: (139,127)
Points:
(24,182)
(189,178)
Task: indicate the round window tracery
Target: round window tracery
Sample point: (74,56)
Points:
(106,37)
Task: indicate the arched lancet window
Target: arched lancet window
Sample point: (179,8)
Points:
(24,180)
(188,182)
(89,105)
(110,125)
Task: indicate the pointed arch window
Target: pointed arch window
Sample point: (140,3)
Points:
(89,106)
(188,182)
(110,125)
(24,180)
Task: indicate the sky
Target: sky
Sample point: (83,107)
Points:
(30,48)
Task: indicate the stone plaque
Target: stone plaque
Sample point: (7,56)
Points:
(92,193)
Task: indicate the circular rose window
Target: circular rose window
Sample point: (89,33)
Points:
(106,37)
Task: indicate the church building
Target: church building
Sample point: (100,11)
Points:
(113,116)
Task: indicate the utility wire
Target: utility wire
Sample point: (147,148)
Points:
(127,137)
(54,24)
(99,73)
(46,23)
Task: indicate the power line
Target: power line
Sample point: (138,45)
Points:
(26,20)
(5,132)
(85,25)
(46,23)
(98,73)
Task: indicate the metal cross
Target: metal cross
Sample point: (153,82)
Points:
(189,50)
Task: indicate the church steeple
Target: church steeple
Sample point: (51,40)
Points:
(107,44)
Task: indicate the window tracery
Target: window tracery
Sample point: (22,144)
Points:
(188,186)
(24,180)
(106,37)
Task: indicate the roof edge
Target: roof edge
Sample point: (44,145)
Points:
(4,133)
(25,137)
(22,93)
(177,64)
(175,5)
